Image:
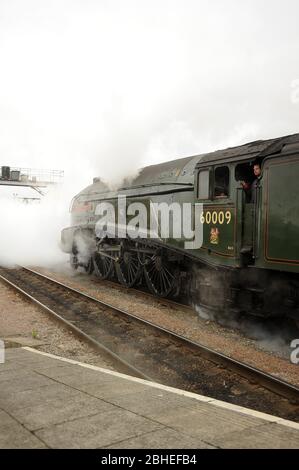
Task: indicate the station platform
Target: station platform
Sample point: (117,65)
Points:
(51,402)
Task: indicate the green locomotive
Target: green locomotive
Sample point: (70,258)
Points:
(249,256)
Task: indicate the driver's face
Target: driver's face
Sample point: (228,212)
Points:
(257,170)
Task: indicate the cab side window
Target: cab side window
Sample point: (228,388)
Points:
(221,182)
(244,172)
(203,184)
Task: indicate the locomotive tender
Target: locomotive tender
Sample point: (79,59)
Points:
(249,258)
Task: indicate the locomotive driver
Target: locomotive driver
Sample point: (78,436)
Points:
(252,190)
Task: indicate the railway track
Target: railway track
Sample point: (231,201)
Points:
(139,291)
(146,350)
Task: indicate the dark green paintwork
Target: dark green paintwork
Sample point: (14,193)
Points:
(279,207)
(269,230)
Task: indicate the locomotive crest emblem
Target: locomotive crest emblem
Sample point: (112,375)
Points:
(214,236)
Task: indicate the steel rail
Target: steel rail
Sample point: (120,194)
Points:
(246,371)
(122,364)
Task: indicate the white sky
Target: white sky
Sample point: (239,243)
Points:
(99,87)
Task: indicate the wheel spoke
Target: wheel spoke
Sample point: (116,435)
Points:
(166,282)
(128,269)
(158,276)
(103,266)
(169,273)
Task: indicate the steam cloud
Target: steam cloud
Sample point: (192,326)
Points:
(30,233)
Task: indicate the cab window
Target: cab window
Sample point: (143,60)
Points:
(221,182)
(244,172)
(203,184)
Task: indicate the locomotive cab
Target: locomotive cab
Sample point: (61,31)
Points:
(231,215)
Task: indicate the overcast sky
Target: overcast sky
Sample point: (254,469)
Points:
(104,87)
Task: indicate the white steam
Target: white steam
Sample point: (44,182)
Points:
(269,335)
(30,232)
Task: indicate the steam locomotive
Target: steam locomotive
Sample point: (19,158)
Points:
(249,256)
